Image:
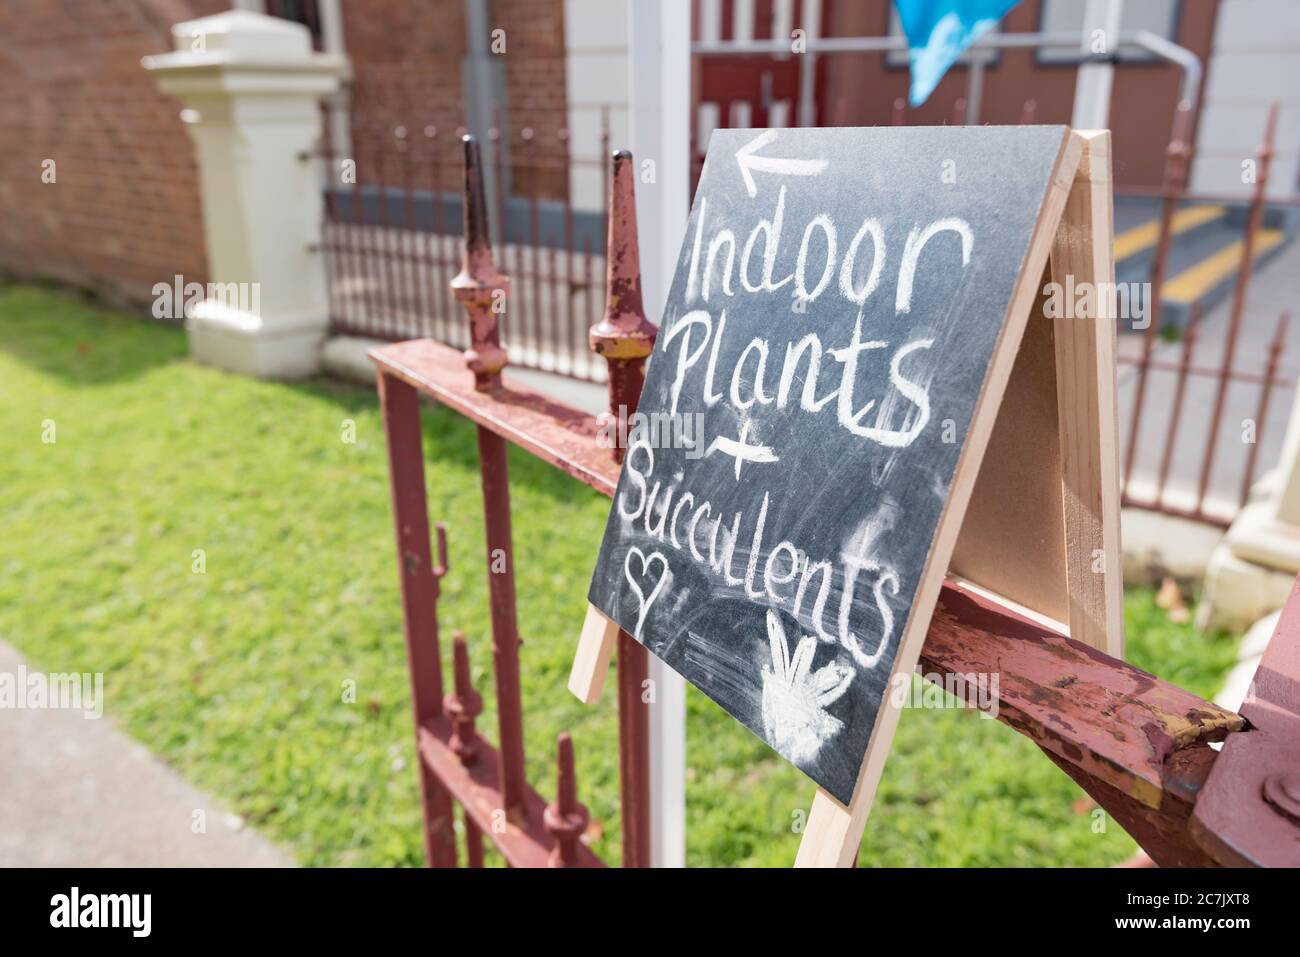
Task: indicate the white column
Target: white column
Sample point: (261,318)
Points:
(1253,569)
(1101,19)
(252,87)
(660,120)
(1267,531)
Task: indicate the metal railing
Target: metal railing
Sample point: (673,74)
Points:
(1224,374)
(1135,743)
(393,218)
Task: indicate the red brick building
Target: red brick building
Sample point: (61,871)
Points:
(118,209)
(121,211)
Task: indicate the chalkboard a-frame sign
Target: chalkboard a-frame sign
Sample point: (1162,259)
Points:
(848,332)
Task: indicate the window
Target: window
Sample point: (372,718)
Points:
(305,12)
(1066,16)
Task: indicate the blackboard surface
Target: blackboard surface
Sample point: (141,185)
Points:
(834,310)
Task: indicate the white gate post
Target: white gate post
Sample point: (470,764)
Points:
(660,66)
(252,87)
(1093,83)
(1252,571)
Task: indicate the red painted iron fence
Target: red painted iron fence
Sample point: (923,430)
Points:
(1209,441)
(456,763)
(393,225)
(1139,746)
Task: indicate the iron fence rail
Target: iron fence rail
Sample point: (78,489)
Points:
(1113,734)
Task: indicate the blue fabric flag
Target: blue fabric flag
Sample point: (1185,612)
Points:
(938,31)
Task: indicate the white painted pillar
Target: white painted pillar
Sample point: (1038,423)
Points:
(1288,490)
(1267,531)
(1252,571)
(1101,20)
(252,87)
(660,63)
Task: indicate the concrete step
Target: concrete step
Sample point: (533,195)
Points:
(1204,258)
(1136,245)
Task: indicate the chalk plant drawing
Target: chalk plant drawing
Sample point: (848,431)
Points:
(644,601)
(795,697)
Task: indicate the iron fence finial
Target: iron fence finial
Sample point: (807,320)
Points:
(463,705)
(623,336)
(479,286)
(566,819)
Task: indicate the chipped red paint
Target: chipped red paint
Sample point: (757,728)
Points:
(419,579)
(1123,732)
(1163,833)
(634,749)
(479,286)
(1249,811)
(556,433)
(1111,721)
(522,840)
(1137,744)
(490,784)
(624,337)
(495,479)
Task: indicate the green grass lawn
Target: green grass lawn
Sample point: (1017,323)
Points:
(236,676)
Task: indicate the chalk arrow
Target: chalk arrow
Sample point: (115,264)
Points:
(748,162)
(741,450)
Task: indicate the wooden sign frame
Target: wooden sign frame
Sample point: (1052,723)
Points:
(1046,538)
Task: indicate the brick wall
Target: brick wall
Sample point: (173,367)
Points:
(406,66)
(407,57)
(123,212)
(535,92)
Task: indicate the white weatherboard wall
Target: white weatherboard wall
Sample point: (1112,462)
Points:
(596,77)
(252,88)
(1254,62)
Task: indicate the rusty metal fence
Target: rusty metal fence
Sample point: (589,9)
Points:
(456,763)
(1173,430)
(392,225)
(1139,746)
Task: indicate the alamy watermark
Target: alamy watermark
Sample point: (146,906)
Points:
(1130,301)
(656,430)
(38,691)
(131,912)
(174,300)
(939,691)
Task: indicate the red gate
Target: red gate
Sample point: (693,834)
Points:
(1136,744)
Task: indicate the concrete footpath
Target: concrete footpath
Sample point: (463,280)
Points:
(77,792)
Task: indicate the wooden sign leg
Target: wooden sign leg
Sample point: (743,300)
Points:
(1082,264)
(591,660)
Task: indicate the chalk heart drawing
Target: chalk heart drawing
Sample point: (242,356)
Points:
(634,579)
(795,697)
